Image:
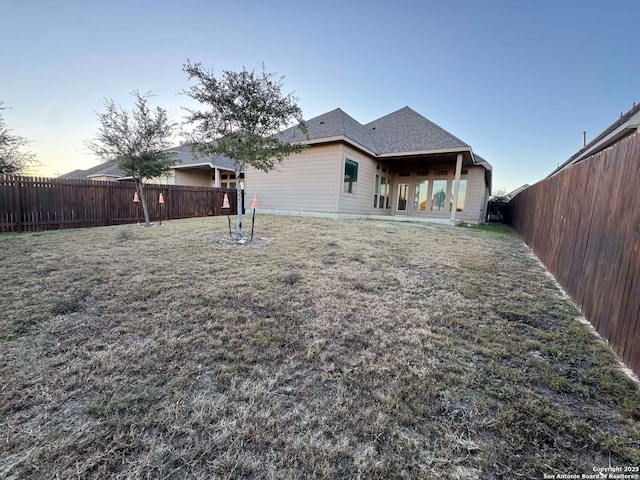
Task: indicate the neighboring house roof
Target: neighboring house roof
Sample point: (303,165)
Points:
(109,168)
(628,123)
(510,195)
(184,159)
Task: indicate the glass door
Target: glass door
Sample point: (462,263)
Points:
(403,195)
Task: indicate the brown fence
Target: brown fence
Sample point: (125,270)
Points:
(29,203)
(584,225)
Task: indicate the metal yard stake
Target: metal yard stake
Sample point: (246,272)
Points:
(254,207)
(161,203)
(136,200)
(225,204)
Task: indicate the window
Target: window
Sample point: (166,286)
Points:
(403,194)
(382,188)
(420,199)
(376,190)
(442,173)
(462,195)
(439,195)
(384,191)
(228,180)
(350,177)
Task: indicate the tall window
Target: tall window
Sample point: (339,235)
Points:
(439,195)
(376,191)
(350,176)
(403,194)
(382,188)
(384,192)
(462,195)
(420,199)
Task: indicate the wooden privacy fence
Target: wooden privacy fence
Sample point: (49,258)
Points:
(29,203)
(584,225)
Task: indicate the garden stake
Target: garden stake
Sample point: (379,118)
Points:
(225,204)
(254,207)
(161,203)
(136,200)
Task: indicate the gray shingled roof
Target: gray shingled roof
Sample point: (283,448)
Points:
(331,124)
(183,157)
(589,149)
(405,130)
(399,132)
(106,168)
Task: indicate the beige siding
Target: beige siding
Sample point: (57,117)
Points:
(362,202)
(313,182)
(104,178)
(475,196)
(305,182)
(195,177)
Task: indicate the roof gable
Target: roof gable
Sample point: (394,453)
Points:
(335,123)
(402,131)
(405,130)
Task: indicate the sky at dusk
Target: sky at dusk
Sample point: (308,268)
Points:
(517,80)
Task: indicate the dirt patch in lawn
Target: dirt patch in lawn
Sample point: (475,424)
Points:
(332,349)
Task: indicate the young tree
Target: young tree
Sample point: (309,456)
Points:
(245,111)
(13,159)
(138,140)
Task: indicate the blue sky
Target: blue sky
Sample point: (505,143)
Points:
(517,80)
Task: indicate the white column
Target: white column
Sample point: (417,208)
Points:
(216,174)
(456,187)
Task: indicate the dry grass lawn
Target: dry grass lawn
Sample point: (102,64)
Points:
(329,349)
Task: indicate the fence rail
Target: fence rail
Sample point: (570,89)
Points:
(31,203)
(584,225)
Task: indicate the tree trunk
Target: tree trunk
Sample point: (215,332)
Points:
(143,201)
(239,197)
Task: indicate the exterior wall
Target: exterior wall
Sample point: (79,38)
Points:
(313,180)
(304,182)
(474,207)
(168,179)
(362,202)
(104,178)
(195,177)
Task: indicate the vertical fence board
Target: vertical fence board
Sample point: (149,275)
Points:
(584,225)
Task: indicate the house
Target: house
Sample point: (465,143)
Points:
(518,190)
(212,171)
(627,124)
(400,165)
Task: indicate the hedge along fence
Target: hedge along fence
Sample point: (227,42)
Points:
(584,225)
(30,204)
